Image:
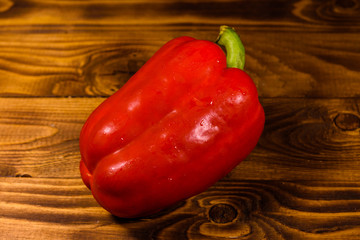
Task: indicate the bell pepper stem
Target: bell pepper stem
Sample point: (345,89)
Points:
(235,51)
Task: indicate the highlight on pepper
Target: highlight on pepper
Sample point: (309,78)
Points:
(182,122)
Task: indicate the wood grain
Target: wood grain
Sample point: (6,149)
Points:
(294,48)
(304,139)
(83,64)
(65,209)
(46,129)
(59,59)
(293,14)
(313,139)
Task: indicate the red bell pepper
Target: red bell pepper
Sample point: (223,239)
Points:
(181,123)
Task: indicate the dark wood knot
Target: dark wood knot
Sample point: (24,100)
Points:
(347,121)
(346,4)
(222,213)
(346,7)
(23,175)
(134,65)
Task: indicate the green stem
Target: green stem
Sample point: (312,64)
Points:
(235,51)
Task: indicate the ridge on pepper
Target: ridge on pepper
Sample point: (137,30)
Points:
(181,123)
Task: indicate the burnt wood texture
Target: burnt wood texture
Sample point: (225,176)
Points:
(59,59)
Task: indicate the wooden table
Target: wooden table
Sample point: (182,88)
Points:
(59,59)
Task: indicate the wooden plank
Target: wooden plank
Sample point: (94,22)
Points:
(49,208)
(304,139)
(292,14)
(97,62)
(48,129)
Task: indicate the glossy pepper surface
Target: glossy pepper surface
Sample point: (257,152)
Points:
(181,123)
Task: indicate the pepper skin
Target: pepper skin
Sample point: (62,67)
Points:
(181,123)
